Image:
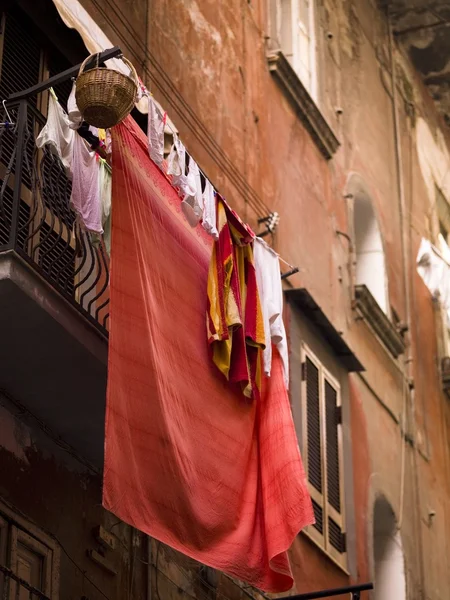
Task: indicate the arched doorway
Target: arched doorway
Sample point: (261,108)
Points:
(388,554)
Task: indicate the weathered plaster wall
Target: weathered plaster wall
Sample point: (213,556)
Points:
(206,63)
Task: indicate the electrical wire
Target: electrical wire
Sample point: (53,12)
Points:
(82,571)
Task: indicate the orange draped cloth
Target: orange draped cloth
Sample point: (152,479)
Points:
(187,459)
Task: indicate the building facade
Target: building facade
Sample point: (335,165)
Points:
(333,115)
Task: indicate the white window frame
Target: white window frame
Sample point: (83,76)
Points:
(322,539)
(290,29)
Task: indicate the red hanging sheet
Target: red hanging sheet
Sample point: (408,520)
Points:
(187,459)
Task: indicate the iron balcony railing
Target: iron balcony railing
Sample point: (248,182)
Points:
(13,587)
(38,224)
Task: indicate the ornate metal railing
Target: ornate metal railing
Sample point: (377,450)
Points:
(37,222)
(13,587)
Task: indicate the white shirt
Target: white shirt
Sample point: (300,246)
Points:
(270,290)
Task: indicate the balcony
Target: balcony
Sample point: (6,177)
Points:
(54,293)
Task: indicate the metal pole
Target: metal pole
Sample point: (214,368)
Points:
(355,590)
(61,77)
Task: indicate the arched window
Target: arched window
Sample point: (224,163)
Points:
(370,268)
(388,554)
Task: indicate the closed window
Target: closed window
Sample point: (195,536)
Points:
(28,562)
(322,452)
(296,34)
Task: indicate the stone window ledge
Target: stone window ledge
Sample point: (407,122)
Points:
(378,320)
(303,104)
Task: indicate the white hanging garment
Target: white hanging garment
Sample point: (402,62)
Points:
(75,117)
(435,272)
(210,210)
(155,133)
(85,197)
(192,205)
(268,278)
(105,190)
(57,134)
(177,168)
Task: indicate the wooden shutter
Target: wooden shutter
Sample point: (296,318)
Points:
(57,63)
(21,64)
(313,441)
(335,534)
(24,62)
(314,437)
(323,454)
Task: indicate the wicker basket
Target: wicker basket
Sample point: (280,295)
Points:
(105,96)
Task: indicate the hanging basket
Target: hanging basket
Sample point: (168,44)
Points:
(105,96)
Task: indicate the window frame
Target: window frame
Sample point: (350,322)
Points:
(291,47)
(20,536)
(321,498)
(16,529)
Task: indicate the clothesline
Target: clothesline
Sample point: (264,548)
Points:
(145,92)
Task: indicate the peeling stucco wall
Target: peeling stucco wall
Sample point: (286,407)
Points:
(206,64)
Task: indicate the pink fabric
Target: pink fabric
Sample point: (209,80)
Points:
(85,197)
(187,460)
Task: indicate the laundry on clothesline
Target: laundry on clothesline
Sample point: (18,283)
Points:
(72,141)
(187,459)
(235,327)
(219,438)
(433,265)
(155,132)
(267,267)
(57,133)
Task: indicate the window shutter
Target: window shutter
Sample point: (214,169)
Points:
(333,474)
(21,58)
(318,516)
(322,440)
(313,425)
(336,537)
(57,63)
